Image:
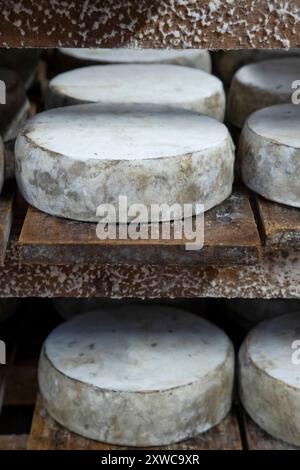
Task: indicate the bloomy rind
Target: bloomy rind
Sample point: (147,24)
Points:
(273,405)
(269,168)
(55,183)
(156,418)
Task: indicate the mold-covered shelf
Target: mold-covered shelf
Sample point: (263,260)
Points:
(218,24)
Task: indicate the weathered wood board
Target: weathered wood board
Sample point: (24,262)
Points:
(257,439)
(280,224)
(149,23)
(230,237)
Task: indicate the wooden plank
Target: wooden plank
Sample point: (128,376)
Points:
(280,225)
(46,434)
(257,439)
(6,215)
(150,23)
(230,237)
(13,442)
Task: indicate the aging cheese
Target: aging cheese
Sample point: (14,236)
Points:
(71,160)
(138,376)
(76,57)
(269,377)
(165,85)
(259,85)
(269,153)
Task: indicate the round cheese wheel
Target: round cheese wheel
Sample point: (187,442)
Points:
(248,312)
(228,62)
(269,153)
(138,376)
(269,376)
(71,160)
(257,86)
(165,85)
(2,164)
(77,57)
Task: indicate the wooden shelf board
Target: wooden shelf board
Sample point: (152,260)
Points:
(46,434)
(231,237)
(280,224)
(150,23)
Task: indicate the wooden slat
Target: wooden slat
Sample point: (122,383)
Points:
(13,442)
(6,214)
(280,224)
(230,237)
(150,23)
(46,434)
(257,439)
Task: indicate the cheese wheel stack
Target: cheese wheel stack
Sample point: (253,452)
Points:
(72,58)
(269,153)
(138,376)
(71,160)
(164,85)
(269,376)
(259,85)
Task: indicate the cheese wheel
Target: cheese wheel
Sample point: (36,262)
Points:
(71,160)
(195,58)
(139,376)
(165,85)
(269,153)
(228,62)
(2,164)
(269,377)
(248,312)
(257,86)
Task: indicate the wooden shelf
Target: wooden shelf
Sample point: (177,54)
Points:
(280,225)
(231,238)
(150,23)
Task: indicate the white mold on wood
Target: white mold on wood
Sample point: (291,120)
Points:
(138,376)
(70,160)
(269,377)
(165,85)
(269,153)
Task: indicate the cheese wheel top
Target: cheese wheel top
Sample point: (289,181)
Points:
(133,55)
(270,348)
(275,76)
(279,123)
(154,84)
(138,349)
(87,132)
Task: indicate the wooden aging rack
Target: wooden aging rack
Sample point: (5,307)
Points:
(252,246)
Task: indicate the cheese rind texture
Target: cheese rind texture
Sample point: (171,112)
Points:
(260,85)
(269,377)
(269,154)
(137,375)
(200,59)
(71,160)
(165,85)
